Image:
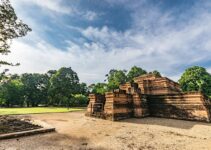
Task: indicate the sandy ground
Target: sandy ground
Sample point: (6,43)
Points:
(75,131)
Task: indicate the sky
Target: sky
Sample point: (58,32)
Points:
(94,36)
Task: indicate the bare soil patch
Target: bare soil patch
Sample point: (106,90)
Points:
(10,124)
(77,132)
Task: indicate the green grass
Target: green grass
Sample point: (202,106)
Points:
(36,110)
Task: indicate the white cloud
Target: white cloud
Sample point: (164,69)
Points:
(52,5)
(151,43)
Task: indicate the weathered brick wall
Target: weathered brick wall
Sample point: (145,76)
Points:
(126,87)
(140,105)
(152,84)
(96,103)
(188,106)
(118,105)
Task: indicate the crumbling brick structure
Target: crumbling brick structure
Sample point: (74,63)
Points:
(150,95)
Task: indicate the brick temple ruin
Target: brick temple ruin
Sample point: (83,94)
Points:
(150,95)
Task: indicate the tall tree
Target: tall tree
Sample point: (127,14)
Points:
(10,27)
(135,72)
(35,88)
(115,78)
(12,93)
(196,79)
(63,85)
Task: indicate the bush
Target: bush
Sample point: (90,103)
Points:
(79,100)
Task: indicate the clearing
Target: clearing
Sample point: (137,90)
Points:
(75,131)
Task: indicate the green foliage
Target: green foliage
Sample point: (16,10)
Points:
(10,27)
(115,78)
(83,89)
(79,100)
(3,76)
(135,72)
(60,87)
(63,84)
(99,88)
(50,73)
(2,95)
(35,88)
(155,72)
(196,79)
(12,93)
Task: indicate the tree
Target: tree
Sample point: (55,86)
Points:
(83,89)
(135,72)
(79,100)
(196,79)
(35,88)
(155,72)
(10,27)
(50,73)
(115,78)
(12,93)
(63,85)
(99,88)
(3,76)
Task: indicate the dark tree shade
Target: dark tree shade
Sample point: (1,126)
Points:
(10,27)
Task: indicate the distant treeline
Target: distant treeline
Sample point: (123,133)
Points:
(54,88)
(62,87)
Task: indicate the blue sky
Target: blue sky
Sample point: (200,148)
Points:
(94,36)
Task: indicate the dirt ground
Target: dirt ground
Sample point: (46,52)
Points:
(75,131)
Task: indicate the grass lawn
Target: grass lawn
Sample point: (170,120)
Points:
(36,110)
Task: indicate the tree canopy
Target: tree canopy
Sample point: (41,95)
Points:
(35,88)
(11,93)
(63,84)
(57,88)
(115,78)
(135,72)
(196,79)
(99,88)
(10,27)
(155,72)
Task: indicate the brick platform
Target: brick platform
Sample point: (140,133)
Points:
(150,95)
